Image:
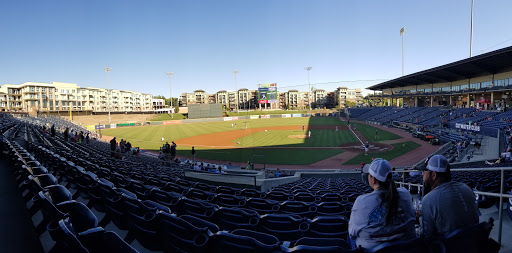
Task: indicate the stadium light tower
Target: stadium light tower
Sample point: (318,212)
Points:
(169,74)
(309,85)
(108,96)
(471,33)
(402,33)
(236,90)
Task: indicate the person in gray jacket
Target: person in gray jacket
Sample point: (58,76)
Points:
(449,205)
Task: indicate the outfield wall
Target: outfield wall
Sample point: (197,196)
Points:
(186,121)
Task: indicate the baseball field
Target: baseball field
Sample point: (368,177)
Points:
(271,141)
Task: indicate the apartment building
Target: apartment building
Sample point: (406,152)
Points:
(53,97)
(343,94)
(292,99)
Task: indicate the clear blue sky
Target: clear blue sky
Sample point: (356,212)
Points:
(202,42)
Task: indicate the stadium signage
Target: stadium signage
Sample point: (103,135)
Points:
(254,116)
(467,127)
(267,93)
(228,118)
(265,116)
(113,125)
(297,115)
(286,115)
(171,122)
(100,126)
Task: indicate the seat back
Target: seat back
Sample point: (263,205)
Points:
(418,245)
(469,239)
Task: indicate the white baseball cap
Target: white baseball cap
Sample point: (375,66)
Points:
(379,169)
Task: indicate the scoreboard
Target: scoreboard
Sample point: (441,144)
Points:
(267,93)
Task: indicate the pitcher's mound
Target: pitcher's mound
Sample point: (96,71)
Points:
(300,136)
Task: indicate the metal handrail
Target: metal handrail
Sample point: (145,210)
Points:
(500,195)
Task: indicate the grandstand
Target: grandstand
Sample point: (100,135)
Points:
(85,198)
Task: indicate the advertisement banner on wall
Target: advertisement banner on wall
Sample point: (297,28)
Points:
(228,118)
(100,126)
(286,115)
(297,115)
(91,127)
(254,117)
(172,122)
(265,116)
(235,118)
(113,125)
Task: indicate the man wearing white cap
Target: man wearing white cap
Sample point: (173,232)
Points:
(386,214)
(450,205)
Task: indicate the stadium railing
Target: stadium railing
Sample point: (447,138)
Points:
(501,195)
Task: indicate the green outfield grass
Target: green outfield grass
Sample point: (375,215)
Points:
(270,156)
(319,138)
(149,138)
(398,150)
(369,132)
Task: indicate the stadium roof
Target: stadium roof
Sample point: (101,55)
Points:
(481,65)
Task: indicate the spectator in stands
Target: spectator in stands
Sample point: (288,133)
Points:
(128,147)
(122,146)
(167,151)
(278,173)
(66,134)
(173,150)
(386,214)
(449,205)
(52,131)
(87,138)
(414,173)
(505,157)
(113,145)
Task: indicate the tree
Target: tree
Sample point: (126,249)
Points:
(349,103)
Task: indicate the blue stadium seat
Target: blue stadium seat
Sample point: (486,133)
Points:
(200,209)
(235,218)
(418,245)
(178,235)
(244,241)
(283,226)
(320,242)
(262,206)
(299,208)
(328,227)
(469,239)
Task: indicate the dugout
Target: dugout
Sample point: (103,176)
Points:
(200,111)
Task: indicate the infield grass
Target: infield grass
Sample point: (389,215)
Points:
(398,150)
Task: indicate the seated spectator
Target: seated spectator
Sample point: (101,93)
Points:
(278,173)
(386,214)
(449,205)
(414,173)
